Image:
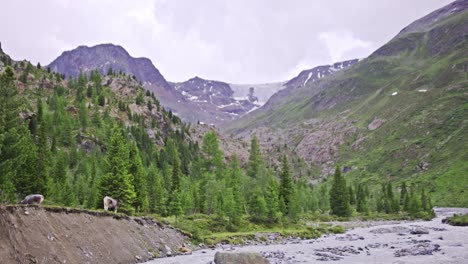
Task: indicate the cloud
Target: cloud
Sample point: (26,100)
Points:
(240,41)
(340,43)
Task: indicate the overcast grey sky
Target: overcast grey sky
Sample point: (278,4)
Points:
(239,41)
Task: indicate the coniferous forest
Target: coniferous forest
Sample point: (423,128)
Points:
(78,140)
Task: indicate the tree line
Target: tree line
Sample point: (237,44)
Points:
(75,156)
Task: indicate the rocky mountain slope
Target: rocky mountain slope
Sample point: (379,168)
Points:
(197,99)
(399,114)
(60,235)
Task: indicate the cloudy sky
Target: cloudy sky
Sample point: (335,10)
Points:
(239,41)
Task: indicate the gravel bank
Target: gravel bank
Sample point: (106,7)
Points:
(374,242)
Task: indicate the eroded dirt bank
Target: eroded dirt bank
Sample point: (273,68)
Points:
(58,235)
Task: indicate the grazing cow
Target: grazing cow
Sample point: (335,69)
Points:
(110,203)
(33,199)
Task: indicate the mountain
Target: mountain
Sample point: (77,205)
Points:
(197,99)
(107,57)
(215,99)
(104,57)
(398,115)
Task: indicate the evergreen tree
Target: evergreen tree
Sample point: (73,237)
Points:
(339,198)
(403,193)
(117,182)
(255,159)
(213,155)
(137,170)
(352,197)
(235,185)
(272,200)
(361,201)
(286,188)
(258,207)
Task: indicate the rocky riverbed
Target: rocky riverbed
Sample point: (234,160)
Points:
(366,242)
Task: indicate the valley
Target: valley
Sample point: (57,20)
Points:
(374,147)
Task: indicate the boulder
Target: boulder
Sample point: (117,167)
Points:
(239,258)
(376,123)
(419,231)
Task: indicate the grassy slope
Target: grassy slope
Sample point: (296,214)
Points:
(429,127)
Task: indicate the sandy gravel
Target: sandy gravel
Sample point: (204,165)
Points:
(375,242)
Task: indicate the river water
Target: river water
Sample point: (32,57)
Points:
(383,242)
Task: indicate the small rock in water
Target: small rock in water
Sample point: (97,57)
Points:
(419,231)
(425,248)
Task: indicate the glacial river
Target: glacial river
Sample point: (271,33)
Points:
(373,242)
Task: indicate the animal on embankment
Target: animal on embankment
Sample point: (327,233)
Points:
(110,203)
(33,199)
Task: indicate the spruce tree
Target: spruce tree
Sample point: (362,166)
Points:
(212,154)
(255,159)
(117,182)
(286,188)
(352,196)
(272,200)
(403,193)
(339,198)
(137,170)
(235,184)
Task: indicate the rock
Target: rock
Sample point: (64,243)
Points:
(167,250)
(423,165)
(185,250)
(418,249)
(239,258)
(419,231)
(376,123)
(137,257)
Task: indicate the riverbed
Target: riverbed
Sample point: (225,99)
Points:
(374,242)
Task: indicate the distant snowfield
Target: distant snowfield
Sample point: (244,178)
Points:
(262,91)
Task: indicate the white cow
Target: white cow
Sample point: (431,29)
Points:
(33,199)
(110,203)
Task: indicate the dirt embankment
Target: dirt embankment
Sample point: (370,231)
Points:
(58,235)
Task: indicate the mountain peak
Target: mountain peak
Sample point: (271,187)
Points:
(104,57)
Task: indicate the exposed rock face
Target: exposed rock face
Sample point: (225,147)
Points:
(216,99)
(376,123)
(103,57)
(318,73)
(239,258)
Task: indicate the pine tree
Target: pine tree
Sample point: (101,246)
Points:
(272,200)
(255,159)
(235,184)
(213,155)
(352,197)
(361,201)
(137,170)
(339,198)
(286,188)
(403,193)
(258,207)
(117,182)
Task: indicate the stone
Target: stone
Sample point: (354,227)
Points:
(376,123)
(239,258)
(167,250)
(419,231)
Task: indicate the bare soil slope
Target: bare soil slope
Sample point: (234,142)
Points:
(58,235)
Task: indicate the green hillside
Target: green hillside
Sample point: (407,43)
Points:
(415,87)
